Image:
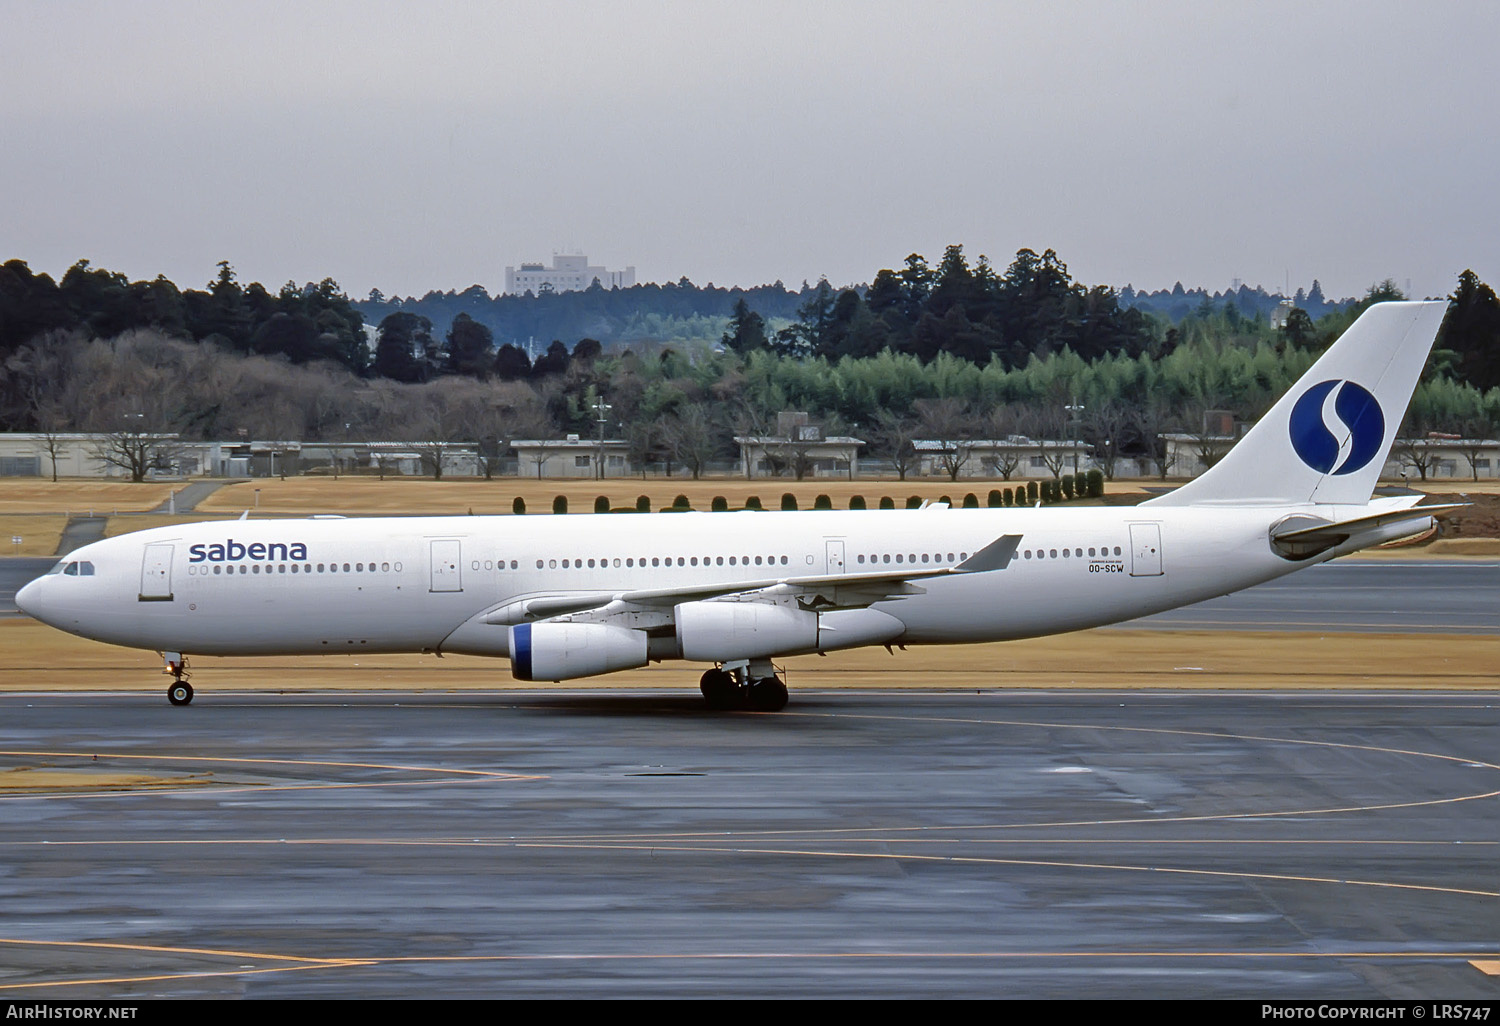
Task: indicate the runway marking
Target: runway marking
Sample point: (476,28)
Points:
(610,840)
(444,775)
(302,963)
(1484,961)
(1043,863)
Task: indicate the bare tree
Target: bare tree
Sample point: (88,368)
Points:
(1003,425)
(1105,425)
(692,436)
(894,434)
(1417,454)
(1047,423)
(950,423)
(137,451)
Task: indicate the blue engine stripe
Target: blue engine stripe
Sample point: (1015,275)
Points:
(520,647)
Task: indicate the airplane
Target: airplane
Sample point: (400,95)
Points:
(567,597)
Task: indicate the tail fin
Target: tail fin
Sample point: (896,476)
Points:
(1326,440)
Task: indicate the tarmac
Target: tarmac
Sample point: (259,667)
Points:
(859,845)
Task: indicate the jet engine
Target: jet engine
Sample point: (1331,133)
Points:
(562,651)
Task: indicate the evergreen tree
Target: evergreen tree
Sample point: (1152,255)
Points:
(747,330)
(469,349)
(1471,330)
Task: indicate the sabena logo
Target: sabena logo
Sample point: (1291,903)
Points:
(230,551)
(1331,411)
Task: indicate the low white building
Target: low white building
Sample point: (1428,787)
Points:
(568,273)
(571,457)
(1443,458)
(1005,458)
(77,454)
(781,456)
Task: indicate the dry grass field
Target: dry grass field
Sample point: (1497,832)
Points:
(81,497)
(35,509)
(38,658)
(39,533)
(369,496)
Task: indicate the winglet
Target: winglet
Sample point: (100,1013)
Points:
(994,556)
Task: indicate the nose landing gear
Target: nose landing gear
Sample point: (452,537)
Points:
(179,692)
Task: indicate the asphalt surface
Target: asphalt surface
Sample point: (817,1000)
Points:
(1404,596)
(1103,845)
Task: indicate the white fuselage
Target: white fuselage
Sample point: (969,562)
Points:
(433,583)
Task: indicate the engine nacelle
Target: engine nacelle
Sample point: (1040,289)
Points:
(720,631)
(562,651)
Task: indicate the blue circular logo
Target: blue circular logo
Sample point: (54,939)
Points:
(1317,442)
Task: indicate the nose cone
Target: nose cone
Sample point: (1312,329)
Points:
(26,598)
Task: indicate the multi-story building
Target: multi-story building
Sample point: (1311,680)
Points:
(568,273)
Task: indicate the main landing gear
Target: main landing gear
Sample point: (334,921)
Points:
(749,685)
(179,692)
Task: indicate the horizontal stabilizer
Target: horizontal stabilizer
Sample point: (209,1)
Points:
(1297,541)
(1346,528)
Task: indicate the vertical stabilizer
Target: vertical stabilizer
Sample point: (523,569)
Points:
(1326,440)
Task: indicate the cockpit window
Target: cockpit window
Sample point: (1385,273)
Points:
(71,569)
(74,568)
(58,568)
(85,568)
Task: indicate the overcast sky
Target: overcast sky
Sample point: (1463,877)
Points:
(411,146)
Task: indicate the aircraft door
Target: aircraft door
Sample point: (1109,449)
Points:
(156,574)
(447,565)
(1145,550)
(835,556)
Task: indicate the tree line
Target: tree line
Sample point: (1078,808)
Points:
(963,352)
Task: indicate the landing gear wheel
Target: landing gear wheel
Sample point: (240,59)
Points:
(768,694)
(180,693)
(719,689)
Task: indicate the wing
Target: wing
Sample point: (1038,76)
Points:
(653,607)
